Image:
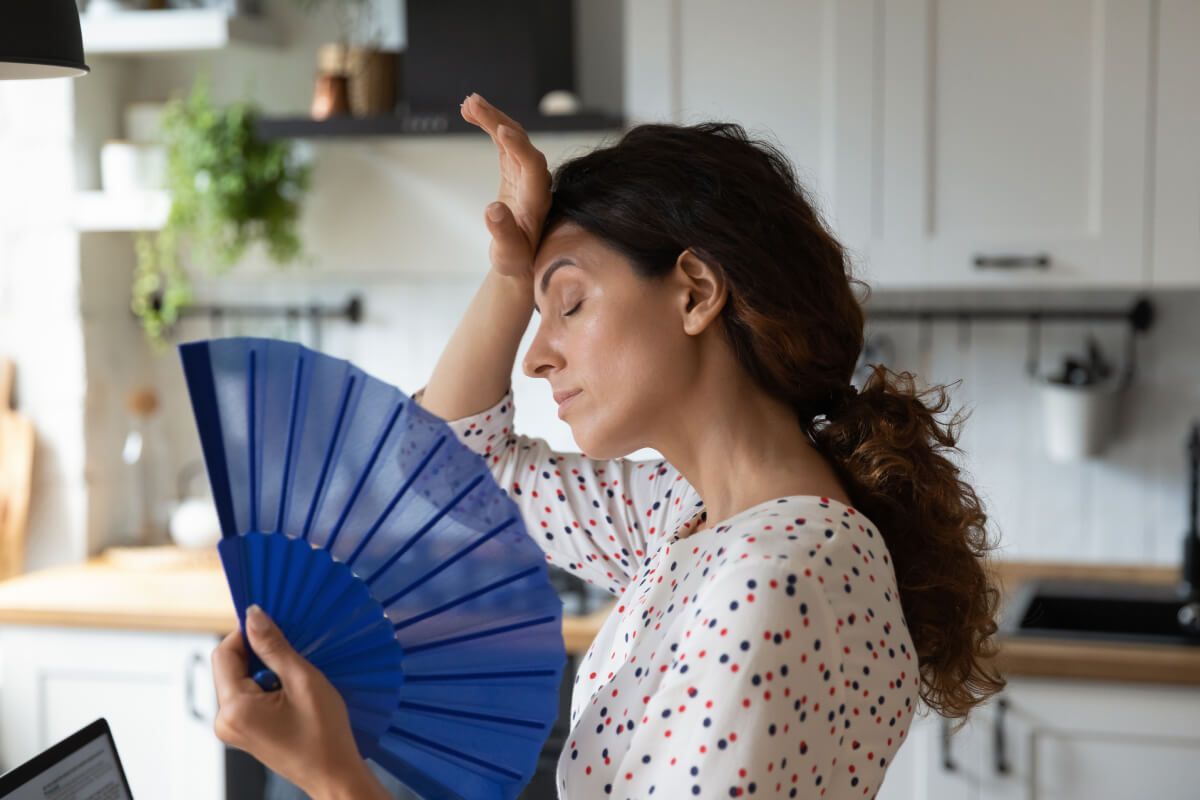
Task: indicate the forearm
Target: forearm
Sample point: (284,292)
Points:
(475,369)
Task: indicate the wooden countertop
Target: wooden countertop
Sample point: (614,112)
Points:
(161,589)
(170,590)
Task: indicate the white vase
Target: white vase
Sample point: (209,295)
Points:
(1078,421)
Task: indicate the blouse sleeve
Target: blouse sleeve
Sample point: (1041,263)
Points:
(753,699)
(600,519)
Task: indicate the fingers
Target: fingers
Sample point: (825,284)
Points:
(517,142)
(487,116)
(272,646)
(504,130)
(229,665)
(509,251)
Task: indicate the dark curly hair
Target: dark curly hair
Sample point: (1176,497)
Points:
(795,325)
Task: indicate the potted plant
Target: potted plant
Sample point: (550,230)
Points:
(230,189)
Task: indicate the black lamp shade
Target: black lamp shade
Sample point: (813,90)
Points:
(40,39)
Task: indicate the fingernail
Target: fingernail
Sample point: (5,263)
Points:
(257,619)
(494,212)
(482,102)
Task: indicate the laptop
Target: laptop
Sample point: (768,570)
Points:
(84,766)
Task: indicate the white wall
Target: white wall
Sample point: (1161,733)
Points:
(39,304)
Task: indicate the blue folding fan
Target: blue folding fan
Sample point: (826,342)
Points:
(388,556)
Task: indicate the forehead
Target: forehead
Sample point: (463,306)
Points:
(567,240)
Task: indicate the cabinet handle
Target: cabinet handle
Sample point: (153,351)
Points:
(948,763)
(190,680)
(1036,261)
(1003,766)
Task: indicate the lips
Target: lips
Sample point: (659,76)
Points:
(559,397)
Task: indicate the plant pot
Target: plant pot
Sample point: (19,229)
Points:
(331,98)
(1078,421)
(373,76)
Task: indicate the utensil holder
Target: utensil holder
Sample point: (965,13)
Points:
(1078,420)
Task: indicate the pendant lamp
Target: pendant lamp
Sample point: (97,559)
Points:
(40,39)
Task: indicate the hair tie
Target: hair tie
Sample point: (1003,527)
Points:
(840,398)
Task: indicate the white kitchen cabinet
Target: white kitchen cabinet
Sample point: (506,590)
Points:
(1052,739)
(154,688)
(1177,154)
(991,144)
(1011,143)
(777,67)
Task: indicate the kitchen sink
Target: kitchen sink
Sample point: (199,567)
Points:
(1106,611)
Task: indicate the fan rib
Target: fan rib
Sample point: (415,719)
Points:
(379,522)
(251,387)
(201,384)
(319,490)
(441,512)
(433,612)
(362,479)
(440,677)
(467,637)
(287,459)
(454,712)
(450,561)
(421,740)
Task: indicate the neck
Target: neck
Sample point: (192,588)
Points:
(738,447)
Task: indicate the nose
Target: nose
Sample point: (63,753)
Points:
(542,357)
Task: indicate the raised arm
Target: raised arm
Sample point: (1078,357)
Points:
(599,519)
(476,367)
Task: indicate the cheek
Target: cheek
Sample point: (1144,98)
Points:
(631,361)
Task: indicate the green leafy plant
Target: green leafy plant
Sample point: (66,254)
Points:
(229,189)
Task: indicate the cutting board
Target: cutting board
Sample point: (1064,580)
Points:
(16,476)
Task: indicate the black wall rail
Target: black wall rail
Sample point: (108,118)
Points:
(1139,318)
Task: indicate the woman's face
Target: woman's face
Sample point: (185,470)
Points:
(616,338)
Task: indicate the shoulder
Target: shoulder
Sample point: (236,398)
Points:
(833,547)
(791,527)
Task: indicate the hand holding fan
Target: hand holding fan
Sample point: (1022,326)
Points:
(386,553)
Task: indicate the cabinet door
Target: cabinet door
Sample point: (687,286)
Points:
(1087,739)
(932,763)
(776,68)
(1177,156)
(155,690)
(1008,133)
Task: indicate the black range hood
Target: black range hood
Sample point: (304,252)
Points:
(513,52)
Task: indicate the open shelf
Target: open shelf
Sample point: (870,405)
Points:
(99,212)
(427,123)
(133,33)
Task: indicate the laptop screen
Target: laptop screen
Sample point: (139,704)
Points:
(84,766)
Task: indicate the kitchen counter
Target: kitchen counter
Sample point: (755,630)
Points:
(164,589)
(171,590)
(1070,658)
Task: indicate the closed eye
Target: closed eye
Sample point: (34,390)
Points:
(573,310)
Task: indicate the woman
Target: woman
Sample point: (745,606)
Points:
(804,565)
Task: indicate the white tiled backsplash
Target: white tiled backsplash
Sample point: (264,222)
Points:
(1126,506)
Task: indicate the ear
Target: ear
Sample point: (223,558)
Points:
(703,291)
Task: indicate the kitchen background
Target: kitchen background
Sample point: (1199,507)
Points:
(929,133)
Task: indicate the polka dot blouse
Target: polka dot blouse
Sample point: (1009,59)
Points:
(766,654)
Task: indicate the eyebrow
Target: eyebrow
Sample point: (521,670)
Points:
(562,261)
